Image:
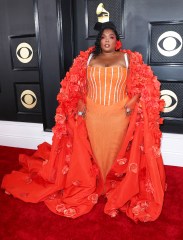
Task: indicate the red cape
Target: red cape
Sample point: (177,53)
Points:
(65,175)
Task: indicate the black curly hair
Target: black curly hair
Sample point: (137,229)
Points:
(101,27)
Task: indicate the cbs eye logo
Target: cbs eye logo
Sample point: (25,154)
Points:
(170,99)
(169,43)
(24,52)
(28,99)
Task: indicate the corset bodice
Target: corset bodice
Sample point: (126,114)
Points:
(106,85)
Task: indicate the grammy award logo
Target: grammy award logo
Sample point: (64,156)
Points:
(102,14)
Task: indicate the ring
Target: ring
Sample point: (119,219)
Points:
(128,110)
(80,113)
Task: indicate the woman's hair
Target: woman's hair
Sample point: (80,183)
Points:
(101,28)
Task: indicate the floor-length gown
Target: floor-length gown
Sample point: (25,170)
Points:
(106,119)
(106,152)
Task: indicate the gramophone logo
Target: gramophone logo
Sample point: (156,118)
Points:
(102,14)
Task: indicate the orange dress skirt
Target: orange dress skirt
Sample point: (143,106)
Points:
(106,119)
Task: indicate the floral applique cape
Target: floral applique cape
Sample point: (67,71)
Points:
(65,176)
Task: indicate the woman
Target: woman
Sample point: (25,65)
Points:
(106,139)
(107,98)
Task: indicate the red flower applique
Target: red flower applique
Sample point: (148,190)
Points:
(118,45)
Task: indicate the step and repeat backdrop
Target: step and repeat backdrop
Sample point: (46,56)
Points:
(40,38)
(147,27)
(166,49)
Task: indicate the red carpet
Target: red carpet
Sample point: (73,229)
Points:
(27,221)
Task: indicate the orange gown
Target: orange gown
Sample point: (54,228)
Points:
(104,152)
(106,119)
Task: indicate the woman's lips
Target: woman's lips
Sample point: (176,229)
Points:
(106,45)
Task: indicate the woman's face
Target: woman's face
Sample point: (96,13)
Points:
(108,41)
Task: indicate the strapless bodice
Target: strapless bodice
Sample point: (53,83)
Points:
(106,85)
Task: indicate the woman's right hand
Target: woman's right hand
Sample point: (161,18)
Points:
(81,108)
(130,105)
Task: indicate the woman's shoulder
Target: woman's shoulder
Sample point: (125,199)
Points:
(123,55)
(132,54)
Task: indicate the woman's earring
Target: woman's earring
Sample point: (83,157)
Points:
(118,45)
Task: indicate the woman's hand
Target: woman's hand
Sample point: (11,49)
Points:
(81,108)
(131,104)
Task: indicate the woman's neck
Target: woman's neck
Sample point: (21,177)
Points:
(108,54)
